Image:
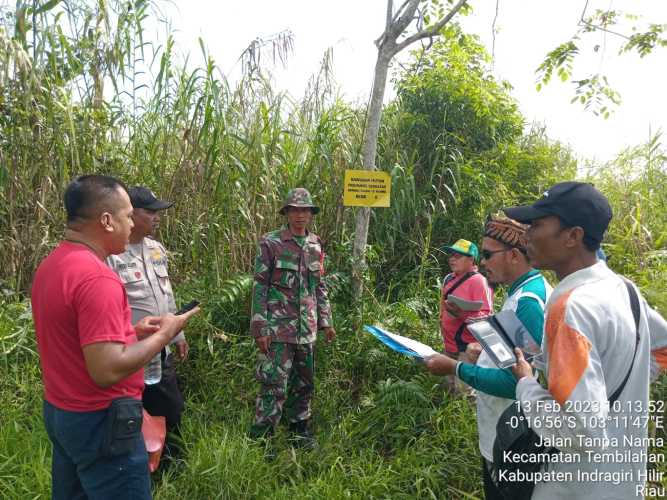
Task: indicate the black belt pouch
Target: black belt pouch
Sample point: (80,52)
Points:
(122,427)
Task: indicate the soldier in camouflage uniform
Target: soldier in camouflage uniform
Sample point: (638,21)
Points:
(289,306)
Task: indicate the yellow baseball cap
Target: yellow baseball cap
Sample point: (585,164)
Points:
(463,247)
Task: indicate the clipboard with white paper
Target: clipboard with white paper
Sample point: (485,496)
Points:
(398,343)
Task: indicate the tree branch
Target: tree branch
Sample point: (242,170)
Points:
(390,8)
(400,23)
(390,19)
(431,31)
(400,9)
(584,22)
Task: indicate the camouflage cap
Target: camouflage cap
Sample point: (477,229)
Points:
(299,197)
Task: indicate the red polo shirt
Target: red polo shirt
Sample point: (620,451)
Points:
(76,301)
(475,288)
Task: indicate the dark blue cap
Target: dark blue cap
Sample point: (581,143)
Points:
(575,203)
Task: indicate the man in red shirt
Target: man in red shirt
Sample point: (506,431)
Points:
(89,352)
(464,282)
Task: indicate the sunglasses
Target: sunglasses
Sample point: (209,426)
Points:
(487,254)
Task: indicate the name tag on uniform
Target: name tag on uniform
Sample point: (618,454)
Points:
(123,265)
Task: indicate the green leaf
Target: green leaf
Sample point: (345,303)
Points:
(43,8)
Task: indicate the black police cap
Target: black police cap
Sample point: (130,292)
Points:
(142,197)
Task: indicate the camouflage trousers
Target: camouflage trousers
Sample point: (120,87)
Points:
(286,375)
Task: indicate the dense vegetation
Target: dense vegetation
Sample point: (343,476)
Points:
(74,98)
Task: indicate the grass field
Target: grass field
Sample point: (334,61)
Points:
(384,428)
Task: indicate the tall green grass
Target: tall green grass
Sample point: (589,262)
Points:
(84,91)
(636,185)
(81,90)
(226,155)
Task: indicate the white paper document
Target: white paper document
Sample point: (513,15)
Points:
(414,345)
(398,343)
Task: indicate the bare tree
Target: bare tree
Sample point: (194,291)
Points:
(388,45)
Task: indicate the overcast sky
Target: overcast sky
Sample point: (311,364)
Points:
(526,31)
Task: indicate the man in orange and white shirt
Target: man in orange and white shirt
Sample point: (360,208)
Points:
(590,347)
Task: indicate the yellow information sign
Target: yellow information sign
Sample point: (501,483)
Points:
(367,188)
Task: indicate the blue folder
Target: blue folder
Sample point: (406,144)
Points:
(382,336)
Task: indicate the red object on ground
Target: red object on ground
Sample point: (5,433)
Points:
(154,430)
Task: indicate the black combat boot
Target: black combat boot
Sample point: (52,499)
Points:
(260,431)
(302,437)
(262,435)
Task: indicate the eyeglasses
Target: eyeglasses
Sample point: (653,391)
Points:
(487,254)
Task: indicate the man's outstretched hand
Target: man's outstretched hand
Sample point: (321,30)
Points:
(439,364)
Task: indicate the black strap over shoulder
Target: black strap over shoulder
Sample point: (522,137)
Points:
(458,336)
(466,276)
(461,345)
(634,304)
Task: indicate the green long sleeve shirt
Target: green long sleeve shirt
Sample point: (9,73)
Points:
(530,312)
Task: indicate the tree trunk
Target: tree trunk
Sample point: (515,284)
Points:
(369,152)
(388,47)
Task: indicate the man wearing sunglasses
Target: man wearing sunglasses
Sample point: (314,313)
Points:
(505,263)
